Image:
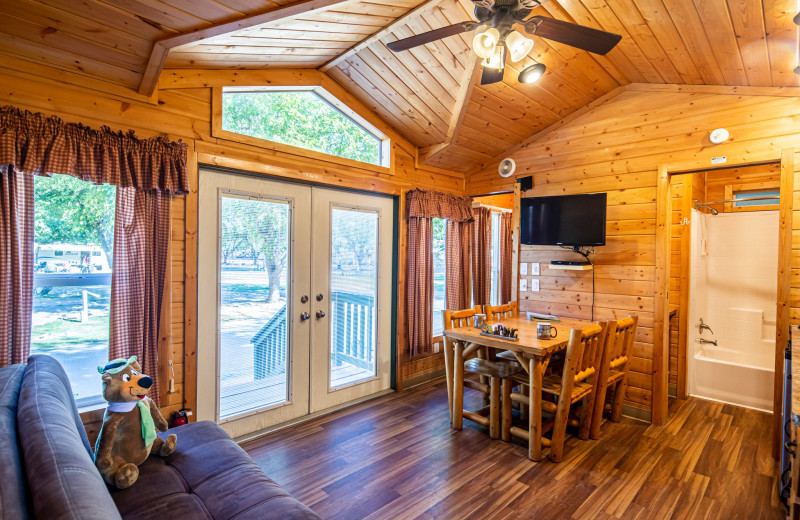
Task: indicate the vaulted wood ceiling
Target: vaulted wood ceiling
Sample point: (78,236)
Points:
(712,42)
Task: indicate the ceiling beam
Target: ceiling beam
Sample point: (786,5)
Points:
(158,55)
(369,40)
(467,84)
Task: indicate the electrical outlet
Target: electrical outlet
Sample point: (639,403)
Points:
(535,269)
(534,285)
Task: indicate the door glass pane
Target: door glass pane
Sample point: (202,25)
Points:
(253,318)
(354,289)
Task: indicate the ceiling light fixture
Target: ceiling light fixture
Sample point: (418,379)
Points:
(532,73)
(485,42)
(497,59)
(518,46)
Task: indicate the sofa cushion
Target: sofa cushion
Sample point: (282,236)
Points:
(208,476)
(12,477)
(62,479)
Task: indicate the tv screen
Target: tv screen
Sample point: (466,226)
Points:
(566,220)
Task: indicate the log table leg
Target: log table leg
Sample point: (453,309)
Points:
(448,370)
(535,372)
(458,385)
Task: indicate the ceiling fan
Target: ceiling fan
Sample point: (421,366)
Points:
(495,35)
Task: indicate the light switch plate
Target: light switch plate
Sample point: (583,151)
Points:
(535,269)
(523,285)
(534,285)
(523,269)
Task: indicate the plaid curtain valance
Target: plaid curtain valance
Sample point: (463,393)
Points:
(43,145)
(433,204)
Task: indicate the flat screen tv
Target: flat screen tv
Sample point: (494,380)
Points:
(565,220)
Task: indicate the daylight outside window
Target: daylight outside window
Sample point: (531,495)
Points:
(302,118)
(439,274)
(73,253)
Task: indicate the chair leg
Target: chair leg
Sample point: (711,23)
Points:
(597,410)
(619,398)
(523,410)
(559,430)
(587,408)
(494,408)
(505,412)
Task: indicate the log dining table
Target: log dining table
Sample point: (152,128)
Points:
(532,353)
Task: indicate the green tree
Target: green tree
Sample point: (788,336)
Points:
(354,232)
(263,228)
(69,210)
(299,118)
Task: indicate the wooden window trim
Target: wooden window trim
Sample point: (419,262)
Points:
(732,189)
(386,148)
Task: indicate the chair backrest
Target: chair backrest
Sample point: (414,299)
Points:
(462,318)
(499,312)
(620,336)
(584,351)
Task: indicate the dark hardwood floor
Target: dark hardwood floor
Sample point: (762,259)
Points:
(397,458)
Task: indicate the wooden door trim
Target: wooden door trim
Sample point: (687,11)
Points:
(661,329)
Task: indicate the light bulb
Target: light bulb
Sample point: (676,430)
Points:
(518,46)
(485,42)
(497,59)
(532,73)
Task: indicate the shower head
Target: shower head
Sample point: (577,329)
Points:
(698,205)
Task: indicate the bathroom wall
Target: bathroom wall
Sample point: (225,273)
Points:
(734,289)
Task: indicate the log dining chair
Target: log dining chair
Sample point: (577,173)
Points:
(613,372)
(576,384)
(491,372)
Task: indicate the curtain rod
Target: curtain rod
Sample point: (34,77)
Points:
(495,208)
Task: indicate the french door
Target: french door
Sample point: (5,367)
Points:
(294,292)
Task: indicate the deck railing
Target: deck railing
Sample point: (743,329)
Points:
(352,318)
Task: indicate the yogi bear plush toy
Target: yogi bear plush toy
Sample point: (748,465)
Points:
(128,434)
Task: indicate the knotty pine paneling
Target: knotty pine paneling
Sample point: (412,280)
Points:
(186,114)
(617,147)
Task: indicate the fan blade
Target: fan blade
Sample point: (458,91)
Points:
(430,36)
(574,35)
(489,75)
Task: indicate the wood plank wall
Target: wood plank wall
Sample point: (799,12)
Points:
(186,114)
(617,147)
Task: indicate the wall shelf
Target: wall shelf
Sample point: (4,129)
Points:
(586,267)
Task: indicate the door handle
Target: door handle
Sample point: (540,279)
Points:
(304,316)
(320,314)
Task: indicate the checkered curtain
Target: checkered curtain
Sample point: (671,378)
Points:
(458,245)
(482,256)
(146,172)
(141,242)
(421,208)
(419,286)
(505,257)
(16,265)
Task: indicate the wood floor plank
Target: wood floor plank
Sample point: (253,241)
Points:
(397,458)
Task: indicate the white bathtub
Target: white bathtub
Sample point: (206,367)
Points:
(730,376)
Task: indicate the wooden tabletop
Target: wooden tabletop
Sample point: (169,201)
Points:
(526,330)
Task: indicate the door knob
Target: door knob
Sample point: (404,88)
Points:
(320,314)
(304,316)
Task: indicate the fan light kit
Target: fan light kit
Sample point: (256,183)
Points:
(532,73)
(720,135)
(495,34)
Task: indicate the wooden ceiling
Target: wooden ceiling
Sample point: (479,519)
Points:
(712,42)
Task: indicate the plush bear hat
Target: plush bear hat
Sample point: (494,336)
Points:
(116,366)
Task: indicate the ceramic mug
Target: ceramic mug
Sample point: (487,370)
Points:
(546,331)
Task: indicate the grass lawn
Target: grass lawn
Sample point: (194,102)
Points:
(61,334)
